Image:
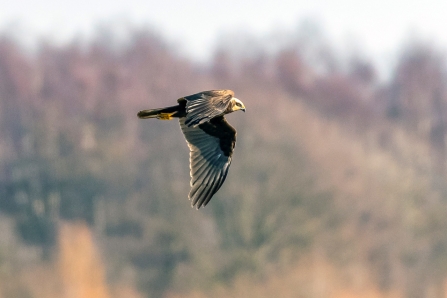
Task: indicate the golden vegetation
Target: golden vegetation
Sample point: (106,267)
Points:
(311,277)
(81,269)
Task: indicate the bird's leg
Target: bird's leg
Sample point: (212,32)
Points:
(165,116)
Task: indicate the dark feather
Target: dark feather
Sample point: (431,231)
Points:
(211,147)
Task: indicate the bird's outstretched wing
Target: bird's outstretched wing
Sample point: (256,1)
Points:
(211,147)
(204,106)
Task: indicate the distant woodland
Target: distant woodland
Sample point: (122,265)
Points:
(335,170)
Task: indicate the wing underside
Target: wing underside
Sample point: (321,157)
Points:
(211,145)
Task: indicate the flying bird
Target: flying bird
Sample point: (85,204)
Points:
(211,139)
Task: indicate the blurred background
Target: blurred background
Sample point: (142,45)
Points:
(338,182)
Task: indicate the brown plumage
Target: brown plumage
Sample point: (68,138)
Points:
(211,139)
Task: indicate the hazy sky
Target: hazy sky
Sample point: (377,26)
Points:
(378,26)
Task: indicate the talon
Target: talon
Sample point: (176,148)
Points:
(165,116)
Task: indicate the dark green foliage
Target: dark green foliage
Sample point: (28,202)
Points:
(78,198)
(37,230)
(124,228)
(157,262)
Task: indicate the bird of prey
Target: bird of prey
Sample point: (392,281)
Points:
(211,139)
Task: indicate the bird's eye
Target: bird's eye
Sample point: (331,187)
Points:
(238,104)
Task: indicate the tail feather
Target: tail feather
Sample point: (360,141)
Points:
(163,113)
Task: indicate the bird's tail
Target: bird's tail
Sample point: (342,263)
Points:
(163,113)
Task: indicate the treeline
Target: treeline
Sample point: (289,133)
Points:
(73,149)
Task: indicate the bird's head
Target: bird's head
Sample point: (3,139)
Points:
(237,105)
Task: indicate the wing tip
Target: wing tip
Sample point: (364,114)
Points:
(197,202)
(193,203)
(196,205)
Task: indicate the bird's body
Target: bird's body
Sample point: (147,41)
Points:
(211,139)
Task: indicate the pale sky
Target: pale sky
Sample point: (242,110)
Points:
(379,27)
